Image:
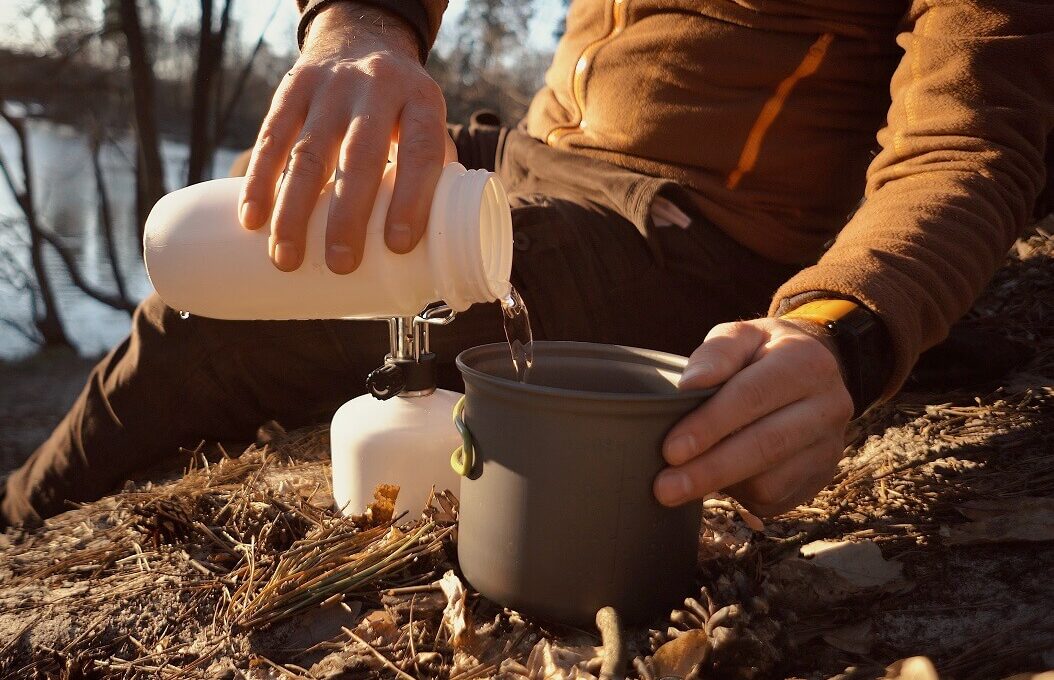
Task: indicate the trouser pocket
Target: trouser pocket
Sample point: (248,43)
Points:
(572,261)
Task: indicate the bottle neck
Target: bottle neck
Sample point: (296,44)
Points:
(471,246)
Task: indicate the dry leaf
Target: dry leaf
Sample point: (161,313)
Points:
(382,508)
(837,572)
(680,655)
(377,628)
(860,562)
(805,587)
(914,668)
(752,520)
(454,615)
(1004,520)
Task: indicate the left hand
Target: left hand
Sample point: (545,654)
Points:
(774,432)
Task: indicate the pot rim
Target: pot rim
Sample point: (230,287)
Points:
(588,349)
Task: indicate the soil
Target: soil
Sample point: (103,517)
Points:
(940,531)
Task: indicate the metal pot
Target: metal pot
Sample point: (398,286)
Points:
(557,514)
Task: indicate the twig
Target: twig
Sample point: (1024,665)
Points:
(385,660)
(610,627)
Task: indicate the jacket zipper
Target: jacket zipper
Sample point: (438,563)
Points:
(619,20)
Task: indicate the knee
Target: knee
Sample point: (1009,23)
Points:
(15,508)
(153,312)
(154,319)
(157,342)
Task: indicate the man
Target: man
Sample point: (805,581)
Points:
(686,164)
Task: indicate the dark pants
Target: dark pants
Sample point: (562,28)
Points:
(587,261)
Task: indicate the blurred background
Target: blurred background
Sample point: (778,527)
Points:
(105,105)
(108,104)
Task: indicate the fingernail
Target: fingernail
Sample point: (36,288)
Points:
(399,237)
(250,214)
(672,487)
(693,371)
(340,258)
(681,449)
(286,256)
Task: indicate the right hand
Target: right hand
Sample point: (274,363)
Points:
(357,86)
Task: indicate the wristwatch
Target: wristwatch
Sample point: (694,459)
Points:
(863,346)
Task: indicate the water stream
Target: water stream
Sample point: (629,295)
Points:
(517,324)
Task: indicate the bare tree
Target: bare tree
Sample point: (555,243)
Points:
(105,211)
(490,67)
(561,24)
(488,30)
(211,43)
(150,172)
(48,322)
(21,282)
(223,119)
(50,325)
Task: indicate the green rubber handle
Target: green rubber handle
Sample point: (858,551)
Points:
(464,457)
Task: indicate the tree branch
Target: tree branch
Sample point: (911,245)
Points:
(77,278)
(105,212)
(24,199)
(224,119)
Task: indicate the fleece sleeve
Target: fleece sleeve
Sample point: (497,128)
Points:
(959,171)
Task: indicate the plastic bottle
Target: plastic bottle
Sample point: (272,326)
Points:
(202,261)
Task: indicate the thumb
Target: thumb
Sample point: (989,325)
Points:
(727,349)
(449,150)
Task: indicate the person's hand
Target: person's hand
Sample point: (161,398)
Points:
(773,433)
(356,87)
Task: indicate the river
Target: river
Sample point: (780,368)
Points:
(66,203)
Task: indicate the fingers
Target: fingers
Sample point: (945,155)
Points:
(422,131)
(360,166)
(773,432)
(801,367)
(792,482)
(728,347)
(340,106)
(310,166)
(271,152)
(751,451)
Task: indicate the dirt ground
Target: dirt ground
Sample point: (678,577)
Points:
(935,539)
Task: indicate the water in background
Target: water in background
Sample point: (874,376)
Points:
(66,203)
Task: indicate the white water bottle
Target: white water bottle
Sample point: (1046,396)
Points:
(202,261)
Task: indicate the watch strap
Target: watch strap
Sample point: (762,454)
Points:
(822,312)
(862,342)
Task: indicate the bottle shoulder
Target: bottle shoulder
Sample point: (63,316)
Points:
(405,412)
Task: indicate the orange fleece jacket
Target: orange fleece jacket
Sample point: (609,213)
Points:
(767,110)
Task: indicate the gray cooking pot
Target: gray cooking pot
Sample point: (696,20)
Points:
(557,514)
